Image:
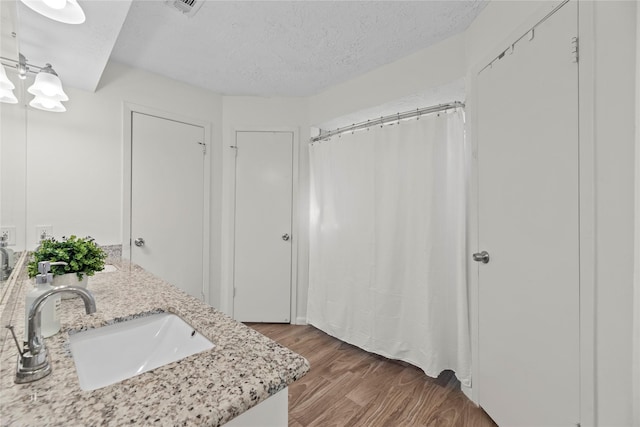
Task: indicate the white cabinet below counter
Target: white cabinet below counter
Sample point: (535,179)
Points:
(273,412)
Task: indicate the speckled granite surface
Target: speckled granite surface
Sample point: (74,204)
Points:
(210,388)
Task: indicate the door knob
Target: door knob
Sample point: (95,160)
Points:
(285,237)
(139,242)
(482,257)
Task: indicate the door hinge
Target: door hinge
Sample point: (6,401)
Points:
(234,291)
(574,49)
(204,147)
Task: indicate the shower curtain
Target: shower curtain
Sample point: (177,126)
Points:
(387,242)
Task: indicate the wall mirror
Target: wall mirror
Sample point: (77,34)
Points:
(51,186)
(13,150)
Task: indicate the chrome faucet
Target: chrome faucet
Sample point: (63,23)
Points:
(33,360)
(5,270)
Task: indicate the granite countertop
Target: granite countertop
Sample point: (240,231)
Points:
(209,388)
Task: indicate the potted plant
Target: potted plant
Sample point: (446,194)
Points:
(82,255)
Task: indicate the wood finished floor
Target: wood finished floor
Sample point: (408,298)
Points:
(347,386)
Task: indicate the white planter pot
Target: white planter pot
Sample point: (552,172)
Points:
(70,279)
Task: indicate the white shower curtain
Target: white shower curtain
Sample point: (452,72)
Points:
(387,256)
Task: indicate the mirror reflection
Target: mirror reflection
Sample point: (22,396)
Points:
(60,172)
(12,149)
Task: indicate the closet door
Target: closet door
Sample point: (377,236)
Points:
(168,201)
(528,223)
(263,232)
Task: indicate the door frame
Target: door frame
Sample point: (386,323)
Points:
(229,215)
(128,110)
(636,326)
(587,200)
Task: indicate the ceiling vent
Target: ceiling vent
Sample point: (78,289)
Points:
(187,7)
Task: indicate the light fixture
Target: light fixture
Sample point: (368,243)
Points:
(47,104)
(66,11)
(7,96)
(22,67)
(47,86)
(5,83)
(6,88)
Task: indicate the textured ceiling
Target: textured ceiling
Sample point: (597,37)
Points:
(283,48)
(264,48)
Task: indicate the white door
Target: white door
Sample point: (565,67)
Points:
(528,223)
(262,258)
(167,200)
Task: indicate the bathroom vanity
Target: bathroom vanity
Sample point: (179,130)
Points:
(241,381)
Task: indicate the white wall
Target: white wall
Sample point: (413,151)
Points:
(432,67)
(636,312)
(614,52)
(256,113)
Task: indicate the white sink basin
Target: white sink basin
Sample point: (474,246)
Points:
(123,350)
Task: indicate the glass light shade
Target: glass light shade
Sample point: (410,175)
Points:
(7,96)
(48,85)
(47,104)
(55,4)
(67,11)
(5,83)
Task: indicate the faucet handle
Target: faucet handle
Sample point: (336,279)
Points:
(45,266)
(15,339)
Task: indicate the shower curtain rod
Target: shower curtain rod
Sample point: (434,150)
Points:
(387,119)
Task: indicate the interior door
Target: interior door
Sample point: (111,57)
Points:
(167,200)
(262,258)
(528,223)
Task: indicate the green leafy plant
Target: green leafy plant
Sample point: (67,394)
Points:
(82,255)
